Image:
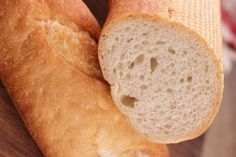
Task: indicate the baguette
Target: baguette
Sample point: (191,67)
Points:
(163,60)
(49,66)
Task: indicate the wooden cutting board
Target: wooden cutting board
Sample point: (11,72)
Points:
(15,141)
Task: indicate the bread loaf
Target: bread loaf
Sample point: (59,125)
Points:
(163,60)
(48,64)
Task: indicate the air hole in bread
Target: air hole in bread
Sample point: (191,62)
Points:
(173,107)
(145,43)
(143,87)
(145,34)
(128,76)
(116,38)
(198,54)
(139,60)
(206,68)
(131,66)
(114,71)
(119,66)
(166,83)
(112,49)
(141,77)
(149,51)
(169,91)
(128,41)
(162,112)
(139,120)
(184,52)
(163,70)
(171,51)
(136,46)
(159,43)
(172,65)
(189,79)
(127,29)
(167,126)
(188,87)
(156,49)
(173,73)
(128,101)
(122,56)
(207,81)
(154,64)
(181,80)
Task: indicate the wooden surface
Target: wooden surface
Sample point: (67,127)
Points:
(221,137)
(15,140)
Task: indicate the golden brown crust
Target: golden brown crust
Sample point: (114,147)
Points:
(78,48)
(68,9)
(193,16)
(68,38)
(68,112)
(120,8)
(65,109)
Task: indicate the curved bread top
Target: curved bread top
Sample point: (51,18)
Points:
(203,17)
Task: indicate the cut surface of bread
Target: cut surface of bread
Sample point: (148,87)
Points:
(50,69)
(164,75)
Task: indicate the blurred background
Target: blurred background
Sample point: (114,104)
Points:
(218,141)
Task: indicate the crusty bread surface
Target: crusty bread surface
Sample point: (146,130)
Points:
(49,66)
(163,60)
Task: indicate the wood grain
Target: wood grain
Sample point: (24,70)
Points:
(221,137)
(15,141)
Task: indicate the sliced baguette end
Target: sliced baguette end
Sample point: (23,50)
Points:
(163,76)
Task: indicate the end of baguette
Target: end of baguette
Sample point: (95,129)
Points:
(163,76)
